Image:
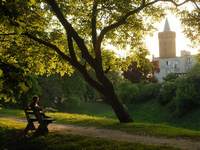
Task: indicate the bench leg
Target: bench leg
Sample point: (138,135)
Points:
(30,126)
(42,129)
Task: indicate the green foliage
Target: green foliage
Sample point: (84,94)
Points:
(140,68)
(65,92)
(182,93)
(187,95)
(148,91)
(34,88)
(190,18)
(16,86)
(35,17)
(170,77)
(112,62)
(167,92)
(23,16)
(131,93)
(127,92)
(32,58)
(195,70)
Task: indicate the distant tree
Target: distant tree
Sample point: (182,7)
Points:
(140,69)
(133,73)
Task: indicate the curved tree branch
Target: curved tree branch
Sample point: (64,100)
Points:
(93,23)
(124,18)
(71,47)
(50,45)
(68,27)
(196,5)
(72,60)
(175,3)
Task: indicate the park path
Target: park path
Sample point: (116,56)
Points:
(185,144)
(181,143)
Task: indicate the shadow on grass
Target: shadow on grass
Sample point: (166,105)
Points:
(11,139)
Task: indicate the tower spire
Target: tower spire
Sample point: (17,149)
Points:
(167,27)
(167,42)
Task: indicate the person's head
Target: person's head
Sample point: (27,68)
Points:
(35,99)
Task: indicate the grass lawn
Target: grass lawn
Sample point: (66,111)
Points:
(152,112)
(103,122)
(148,112)
(10,140)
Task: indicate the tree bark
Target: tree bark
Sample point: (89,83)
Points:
(111,98)
(119,109)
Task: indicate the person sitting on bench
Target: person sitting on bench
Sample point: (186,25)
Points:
(35,103)
(36,108)
(42,119)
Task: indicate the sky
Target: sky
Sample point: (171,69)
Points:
(182,42)
(152,44)
(151,41)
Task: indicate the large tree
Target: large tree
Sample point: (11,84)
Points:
(79,30)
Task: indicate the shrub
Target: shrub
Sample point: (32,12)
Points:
(148,91)
(167,92)
(187,94)
(171,77)
(195,70)
(127,92)
(181,94)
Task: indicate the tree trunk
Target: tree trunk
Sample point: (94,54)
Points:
(119,109)
(107,90)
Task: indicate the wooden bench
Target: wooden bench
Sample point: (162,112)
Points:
(37,116)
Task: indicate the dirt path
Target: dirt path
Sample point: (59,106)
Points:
(185,144)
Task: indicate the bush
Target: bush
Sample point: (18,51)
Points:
(187,94)
(171,77)
(167,92)
(127,92)
(181,94)
(195,70)
(148,91)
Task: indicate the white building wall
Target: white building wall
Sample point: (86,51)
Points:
(179,65)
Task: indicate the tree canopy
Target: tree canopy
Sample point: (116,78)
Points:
(134,19)
(190,20)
